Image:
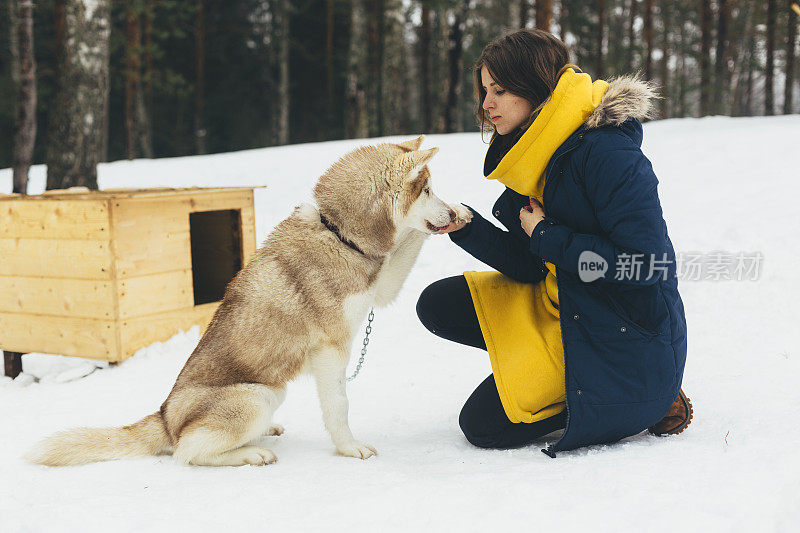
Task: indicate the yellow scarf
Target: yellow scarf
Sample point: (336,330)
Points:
(573,100)
(520,321)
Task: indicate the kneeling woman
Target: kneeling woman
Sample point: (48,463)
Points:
(582,319)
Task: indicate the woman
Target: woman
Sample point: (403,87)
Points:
(582,318)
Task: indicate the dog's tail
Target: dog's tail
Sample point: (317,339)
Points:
(79,446)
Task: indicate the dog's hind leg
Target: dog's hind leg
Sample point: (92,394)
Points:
(224,421)
(329,366)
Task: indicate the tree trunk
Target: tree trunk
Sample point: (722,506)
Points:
(200,132)
(375,41)
(681,74)
(601,28)
(769,92)
(284,101)
(705,57)
(145,92)
(425,67)
(791,33)
(329,30)
(133,42)
(648,38)
(742,52)
(13,39)
(60,32)
(512,16)
(632,33)
(544,14)
(752,63)
(524,13)
(666,16)
(25,127)
(455,62)
(562,20)
(355,105)
(77,124)
(721,64)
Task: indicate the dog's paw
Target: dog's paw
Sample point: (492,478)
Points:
(356,449)
(275,430)
(253,455)
(463,214)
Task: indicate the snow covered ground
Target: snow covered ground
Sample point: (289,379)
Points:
(725,184)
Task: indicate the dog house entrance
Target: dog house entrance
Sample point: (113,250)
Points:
(216,240)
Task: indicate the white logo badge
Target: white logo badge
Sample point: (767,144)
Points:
(591,266)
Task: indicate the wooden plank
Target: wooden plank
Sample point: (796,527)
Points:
(59,297)
(151,234)
(155,293)
(53,258)
(80,193)
(155,252)
(136,333)
(171,213)
(249,244)
(49,219)
(170,192)
(80,337)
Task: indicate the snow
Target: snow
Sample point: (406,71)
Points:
(726,185)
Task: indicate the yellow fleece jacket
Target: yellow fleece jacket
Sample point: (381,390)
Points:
(520,321)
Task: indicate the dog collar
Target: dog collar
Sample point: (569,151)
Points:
(328,224)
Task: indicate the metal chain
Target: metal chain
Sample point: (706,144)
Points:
(370,318)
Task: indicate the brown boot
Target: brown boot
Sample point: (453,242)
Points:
(677,418)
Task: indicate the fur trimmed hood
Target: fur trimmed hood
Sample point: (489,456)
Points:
(628,96)
(577,103)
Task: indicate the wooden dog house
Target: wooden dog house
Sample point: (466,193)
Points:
(101,274)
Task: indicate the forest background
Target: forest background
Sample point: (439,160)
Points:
(85,81)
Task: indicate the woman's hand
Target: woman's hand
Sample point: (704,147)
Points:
(531,215)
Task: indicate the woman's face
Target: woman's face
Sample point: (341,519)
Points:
(507,111)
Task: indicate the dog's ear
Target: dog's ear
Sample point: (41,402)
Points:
(410,163)
(413,144)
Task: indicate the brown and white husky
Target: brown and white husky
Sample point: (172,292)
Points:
(294,308)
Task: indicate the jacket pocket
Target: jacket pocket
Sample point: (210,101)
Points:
(623,315)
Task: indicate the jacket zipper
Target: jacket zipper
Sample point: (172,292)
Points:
(550,450)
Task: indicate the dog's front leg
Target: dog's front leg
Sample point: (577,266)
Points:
(329,366)
(397,267)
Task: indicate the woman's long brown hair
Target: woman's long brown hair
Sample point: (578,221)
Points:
(526,63)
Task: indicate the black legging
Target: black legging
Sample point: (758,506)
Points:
(445,308)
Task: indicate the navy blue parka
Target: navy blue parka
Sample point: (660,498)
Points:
(624,334)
